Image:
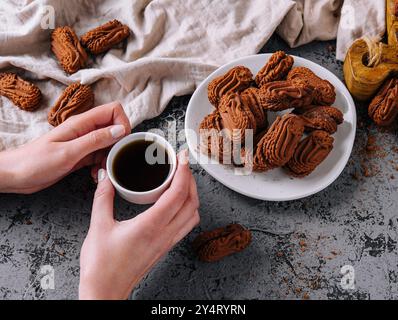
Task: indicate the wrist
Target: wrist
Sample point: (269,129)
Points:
(92,292)
(8,173)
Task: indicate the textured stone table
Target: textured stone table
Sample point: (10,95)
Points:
(298,247)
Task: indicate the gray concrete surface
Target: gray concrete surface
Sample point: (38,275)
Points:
(298,247)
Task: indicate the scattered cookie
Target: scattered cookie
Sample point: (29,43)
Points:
(76,99)
(66,47)
(324,91)
(321,118)
(22,93)
(217,244)
(104,37)
(282,95)
(234,81)
(276,68)
(383,109)
(310,153)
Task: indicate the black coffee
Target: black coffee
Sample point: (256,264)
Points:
(138,170)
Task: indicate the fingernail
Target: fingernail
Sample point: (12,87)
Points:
(101,175)
(117,131)
(183,157)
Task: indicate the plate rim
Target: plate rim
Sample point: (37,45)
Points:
(344,92)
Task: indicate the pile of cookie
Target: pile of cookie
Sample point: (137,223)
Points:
(298,141)
(72,54)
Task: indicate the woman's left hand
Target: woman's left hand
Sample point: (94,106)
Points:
(80,141)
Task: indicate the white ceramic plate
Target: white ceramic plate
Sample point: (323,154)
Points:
(275,185)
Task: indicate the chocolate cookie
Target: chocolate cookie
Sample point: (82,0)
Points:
(310,153)
(384,107)
(237,117)
(105,37)
(282,95)
(251,98)
(76,99)
(213,141)
(22,93)
(234,81)
(214,245)
(277,146)
(276,68)
(324,91)
(321,118)
(66,47)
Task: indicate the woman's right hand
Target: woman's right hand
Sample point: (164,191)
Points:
(116,255)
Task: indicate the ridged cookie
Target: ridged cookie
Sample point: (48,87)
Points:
(105,37)
(68,50)
(310,153)
(76,99)
(22,93)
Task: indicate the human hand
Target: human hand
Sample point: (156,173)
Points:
(80,141)
(116,255)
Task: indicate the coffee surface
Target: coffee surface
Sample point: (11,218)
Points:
(141,166)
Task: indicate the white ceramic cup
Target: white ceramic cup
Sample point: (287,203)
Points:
(150,196)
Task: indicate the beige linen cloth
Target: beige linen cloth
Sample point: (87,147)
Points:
(347,20)
(174,45)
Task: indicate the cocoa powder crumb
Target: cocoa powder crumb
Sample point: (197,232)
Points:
(303,245)
(355,176)
(368,169)
(372,149)
(331,48)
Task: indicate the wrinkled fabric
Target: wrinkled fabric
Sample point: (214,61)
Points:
(360,18)
(346,20)
(310,20)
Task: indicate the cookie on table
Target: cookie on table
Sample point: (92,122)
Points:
(214,245)
(383,109)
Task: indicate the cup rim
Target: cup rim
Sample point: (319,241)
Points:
(134,137)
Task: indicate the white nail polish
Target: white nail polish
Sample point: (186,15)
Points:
(183,157)
(117,131)
(101,175)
